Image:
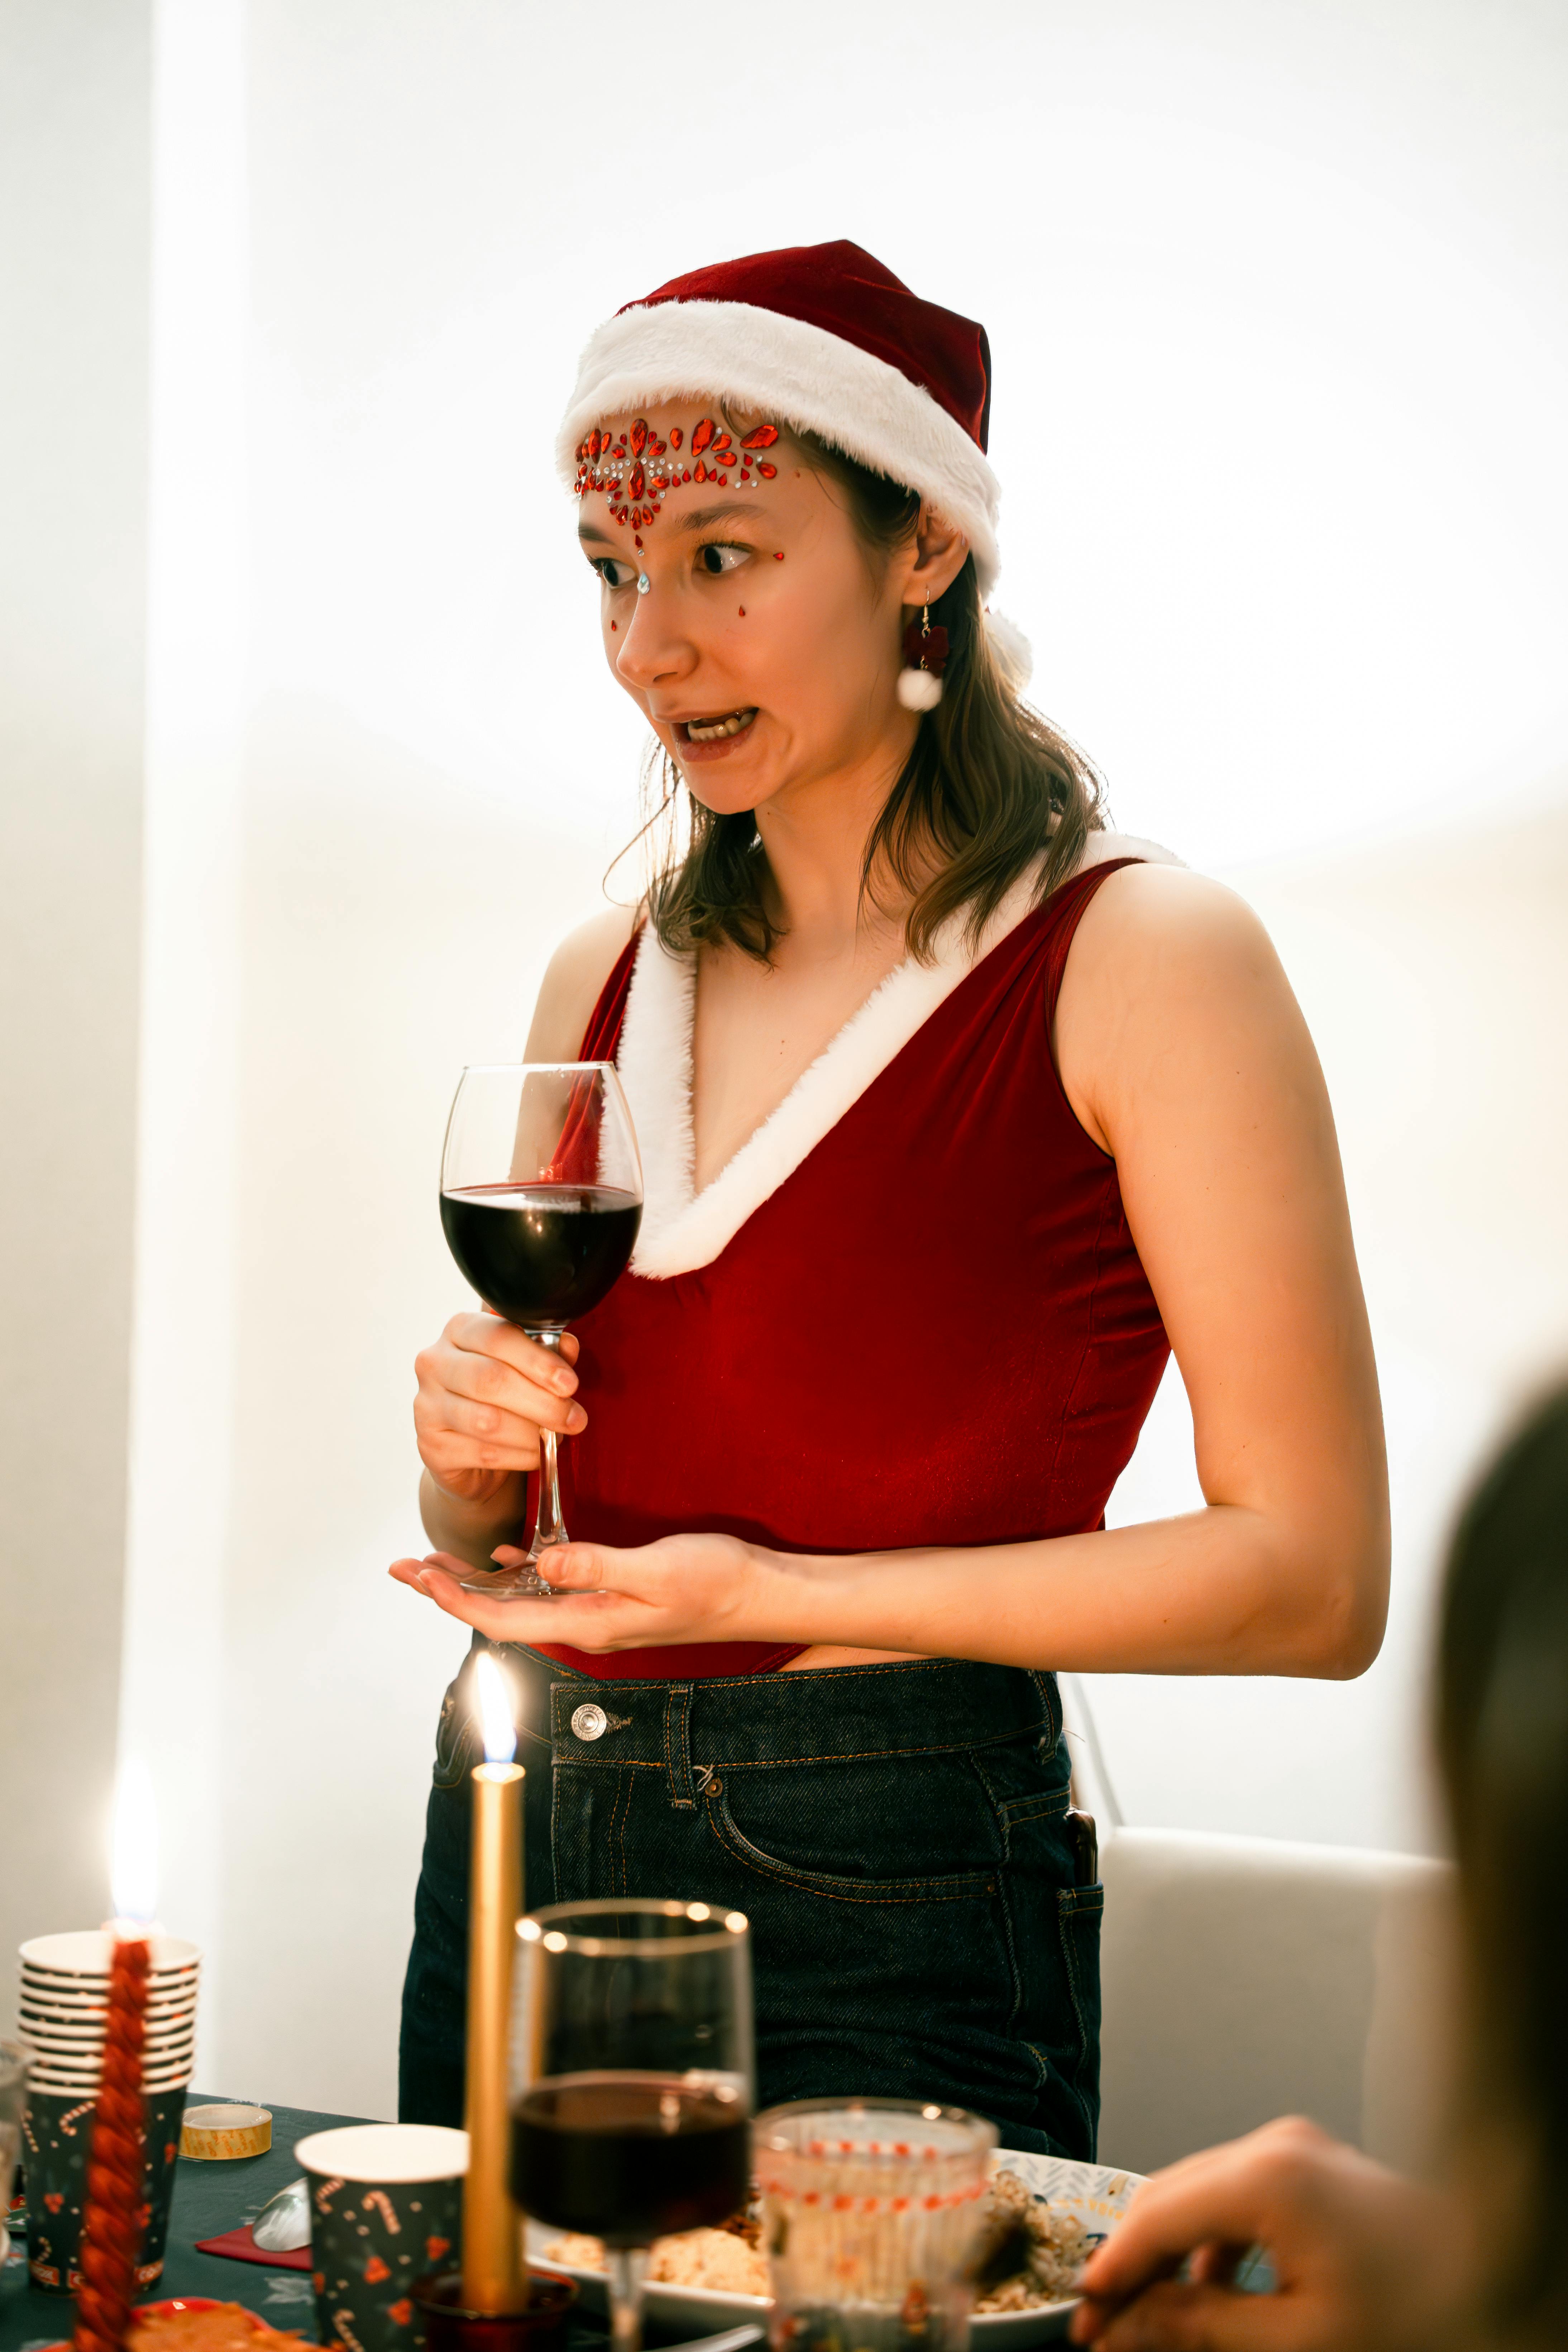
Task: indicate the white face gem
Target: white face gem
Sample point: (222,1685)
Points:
(644,583)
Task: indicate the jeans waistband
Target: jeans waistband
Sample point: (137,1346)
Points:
(822,1716)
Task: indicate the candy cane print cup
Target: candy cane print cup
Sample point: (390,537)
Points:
(386,2204)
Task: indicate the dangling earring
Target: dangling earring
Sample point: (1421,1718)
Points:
(925,659)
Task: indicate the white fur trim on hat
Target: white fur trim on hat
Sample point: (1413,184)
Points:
(796,374)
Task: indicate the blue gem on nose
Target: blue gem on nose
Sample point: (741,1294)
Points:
(644,583)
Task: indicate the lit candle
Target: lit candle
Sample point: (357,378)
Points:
(115,2214)
(495,2275)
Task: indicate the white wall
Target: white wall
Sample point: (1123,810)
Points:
(74,166)
(1275,298)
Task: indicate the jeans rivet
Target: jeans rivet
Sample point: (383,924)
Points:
(590,1722)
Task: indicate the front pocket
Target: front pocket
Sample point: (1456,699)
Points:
(952,1887)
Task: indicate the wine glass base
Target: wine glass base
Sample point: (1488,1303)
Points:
(520,1583)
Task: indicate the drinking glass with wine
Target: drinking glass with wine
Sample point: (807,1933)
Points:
(632,2077)
(540,1201)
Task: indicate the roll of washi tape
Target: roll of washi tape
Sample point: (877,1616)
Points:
(217,2134)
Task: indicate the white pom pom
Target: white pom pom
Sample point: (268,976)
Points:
(1010,649)
(919,690)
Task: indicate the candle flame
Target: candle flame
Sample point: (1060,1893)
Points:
(133,1843)
(494,1710)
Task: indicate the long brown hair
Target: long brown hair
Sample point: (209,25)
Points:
(1502,1737)
(989,788)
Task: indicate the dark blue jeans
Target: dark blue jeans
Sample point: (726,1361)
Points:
(896,1834)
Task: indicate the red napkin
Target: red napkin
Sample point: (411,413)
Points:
(240,2246)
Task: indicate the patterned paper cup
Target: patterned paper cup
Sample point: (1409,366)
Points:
(79,1958)
(56,2138)
(386,2205)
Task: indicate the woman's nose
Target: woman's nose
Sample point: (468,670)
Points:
(650,647)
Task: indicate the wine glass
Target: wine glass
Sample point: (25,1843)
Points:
(540,1201)
(632,2077)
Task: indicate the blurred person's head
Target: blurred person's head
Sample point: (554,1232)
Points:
(1502,1730)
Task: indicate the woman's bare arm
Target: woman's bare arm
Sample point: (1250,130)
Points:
(485,1388)
(1183,1053)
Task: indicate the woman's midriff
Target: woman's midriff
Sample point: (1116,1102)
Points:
(823,1654)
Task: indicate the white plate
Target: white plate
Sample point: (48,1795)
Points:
(1098,2193)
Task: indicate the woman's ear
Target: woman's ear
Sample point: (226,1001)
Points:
(933,558)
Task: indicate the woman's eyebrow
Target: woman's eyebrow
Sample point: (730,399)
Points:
(586,531)
(704,518)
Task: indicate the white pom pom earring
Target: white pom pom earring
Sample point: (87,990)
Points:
(925,659)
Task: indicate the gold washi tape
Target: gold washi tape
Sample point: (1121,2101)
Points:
(217,2134)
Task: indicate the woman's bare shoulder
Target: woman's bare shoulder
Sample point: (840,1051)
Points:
(1162,914)
(574,982)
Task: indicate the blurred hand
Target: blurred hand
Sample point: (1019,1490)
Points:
(1365,2262)
(682,1588)
(486,1391)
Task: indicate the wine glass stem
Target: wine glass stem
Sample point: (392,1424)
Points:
(629,2268)
(548,1526)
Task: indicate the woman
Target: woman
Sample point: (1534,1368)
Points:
(1367,2261)
(951,1110)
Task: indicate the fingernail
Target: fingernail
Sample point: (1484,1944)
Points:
(576,1417)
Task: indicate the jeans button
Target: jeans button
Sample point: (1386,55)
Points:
(590,1722)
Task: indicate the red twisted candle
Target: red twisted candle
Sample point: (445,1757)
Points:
(116,2212)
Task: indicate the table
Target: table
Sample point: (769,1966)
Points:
(208,2200)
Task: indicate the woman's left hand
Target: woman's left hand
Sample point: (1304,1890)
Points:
(682,1588)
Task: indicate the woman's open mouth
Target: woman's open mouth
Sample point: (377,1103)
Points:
(715,730)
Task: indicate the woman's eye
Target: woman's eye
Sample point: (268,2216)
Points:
(614,573)
(717,558)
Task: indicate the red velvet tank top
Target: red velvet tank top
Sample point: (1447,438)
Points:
(935,1331)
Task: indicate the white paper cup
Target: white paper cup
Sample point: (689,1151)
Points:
(88,1951)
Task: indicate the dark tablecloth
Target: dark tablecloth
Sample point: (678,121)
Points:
(208,2200)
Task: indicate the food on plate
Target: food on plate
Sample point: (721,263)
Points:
(227,2328)
(1031,2253)
(729,2260)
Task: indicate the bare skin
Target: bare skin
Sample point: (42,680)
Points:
(1364,2261)
(1183,1056)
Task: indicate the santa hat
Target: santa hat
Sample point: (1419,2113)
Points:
(821,338)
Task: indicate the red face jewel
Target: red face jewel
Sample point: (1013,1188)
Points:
(675,437)
(639,437)
(762,438)
(636,484)
(743,612)
(766,471)
(702,473)
(778,555)
(701,434)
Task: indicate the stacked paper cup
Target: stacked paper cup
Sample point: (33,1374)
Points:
(62,2018)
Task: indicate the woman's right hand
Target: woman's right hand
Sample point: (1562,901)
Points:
(486,1391)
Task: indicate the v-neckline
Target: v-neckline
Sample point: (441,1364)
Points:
(683,1229)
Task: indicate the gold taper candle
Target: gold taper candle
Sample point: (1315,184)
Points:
(495,2273)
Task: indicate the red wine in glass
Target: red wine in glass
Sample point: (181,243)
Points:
(541,1254)
(541,1201)
(632,2077)
(630,2157)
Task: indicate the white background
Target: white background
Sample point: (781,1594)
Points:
(1276,297)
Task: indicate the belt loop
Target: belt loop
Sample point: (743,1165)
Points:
(1050,1693)
(678,1746)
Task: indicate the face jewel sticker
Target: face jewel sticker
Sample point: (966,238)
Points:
(635,470)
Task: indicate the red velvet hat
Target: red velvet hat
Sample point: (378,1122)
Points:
(823,338)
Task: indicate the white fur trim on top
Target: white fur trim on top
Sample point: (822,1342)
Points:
(800,374)
(682,1229)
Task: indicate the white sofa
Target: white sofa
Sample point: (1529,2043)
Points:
(1245,1978)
